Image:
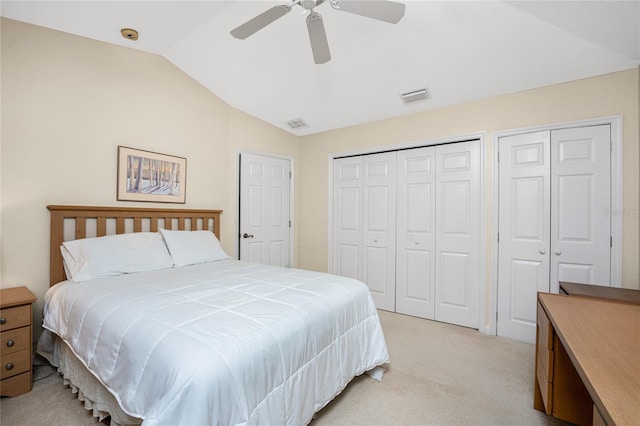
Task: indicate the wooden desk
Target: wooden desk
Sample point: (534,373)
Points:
(588,360)
(587,290)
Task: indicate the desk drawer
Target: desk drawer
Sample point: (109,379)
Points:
(11,318)
(546,388)
(545,329)
(545,363)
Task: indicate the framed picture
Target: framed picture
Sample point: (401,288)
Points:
(150,176)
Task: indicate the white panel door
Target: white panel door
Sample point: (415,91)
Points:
(524,231)
(347,217)
(580,206)
(458,233)
(264,209)
(554,222)
(379,227)
(415,239)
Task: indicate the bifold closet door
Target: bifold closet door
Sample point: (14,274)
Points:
(347,217)
(364,215)
(457,239)
(415,268)
(379,228)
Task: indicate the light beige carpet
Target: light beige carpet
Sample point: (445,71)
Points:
(439,375)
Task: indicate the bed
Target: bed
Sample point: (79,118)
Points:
(213,341)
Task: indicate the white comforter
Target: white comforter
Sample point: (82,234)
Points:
(227,342)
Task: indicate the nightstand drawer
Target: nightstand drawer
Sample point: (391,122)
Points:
(15,363)
(11,318)
(16,385)
(15,340)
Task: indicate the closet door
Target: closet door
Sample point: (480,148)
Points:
(347,217)
(458,233)
(553,219)
(415,266)
(379,227)
(524,231)
(580,206)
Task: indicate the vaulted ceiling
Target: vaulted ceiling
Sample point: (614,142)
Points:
(460,51)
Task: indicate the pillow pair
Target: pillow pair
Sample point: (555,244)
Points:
(112,255)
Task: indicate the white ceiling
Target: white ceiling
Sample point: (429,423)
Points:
(460,51)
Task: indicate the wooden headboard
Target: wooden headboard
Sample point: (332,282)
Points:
(92,221)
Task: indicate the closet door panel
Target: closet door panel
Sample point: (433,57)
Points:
(415,270)
(580,205)
(347,217)
(524,230)
(457,233)
(379,228)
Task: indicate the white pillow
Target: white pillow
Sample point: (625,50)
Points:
(191,247)
(100,257)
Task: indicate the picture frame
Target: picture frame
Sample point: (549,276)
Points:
(150,176)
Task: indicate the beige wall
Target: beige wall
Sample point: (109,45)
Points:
(68,102)
(601,96)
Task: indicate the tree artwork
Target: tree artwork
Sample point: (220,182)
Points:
(152,176)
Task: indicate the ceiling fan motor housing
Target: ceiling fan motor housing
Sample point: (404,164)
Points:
(310,4)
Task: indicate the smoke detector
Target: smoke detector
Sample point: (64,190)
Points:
(129,34)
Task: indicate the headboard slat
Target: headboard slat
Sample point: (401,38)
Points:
(102,226)
(119,225)
(80,214)
(81,228)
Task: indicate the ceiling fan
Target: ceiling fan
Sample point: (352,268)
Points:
(382,10)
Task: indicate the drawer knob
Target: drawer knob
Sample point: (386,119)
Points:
(9,366)
(3,320)
(10,343)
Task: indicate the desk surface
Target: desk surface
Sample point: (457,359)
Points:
(602,338)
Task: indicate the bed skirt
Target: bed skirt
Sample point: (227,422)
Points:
(75,375)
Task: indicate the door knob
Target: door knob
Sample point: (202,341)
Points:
(542,251)
(245,235)
(557,252)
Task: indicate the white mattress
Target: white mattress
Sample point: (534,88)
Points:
(226,342)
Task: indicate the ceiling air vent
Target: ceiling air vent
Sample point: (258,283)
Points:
(297,123)
(416,95)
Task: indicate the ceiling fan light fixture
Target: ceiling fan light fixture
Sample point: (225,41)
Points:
(414,96)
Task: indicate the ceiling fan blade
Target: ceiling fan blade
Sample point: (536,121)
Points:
(259,22)
(318,38)
(382,10)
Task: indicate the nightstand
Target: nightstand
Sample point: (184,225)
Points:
(15,340)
